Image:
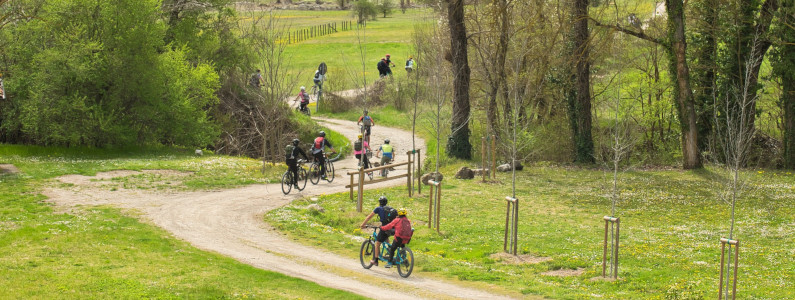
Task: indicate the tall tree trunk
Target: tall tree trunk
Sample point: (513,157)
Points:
(578,91)
(758,51)
(502,53)
(784,68)
(458,145)
(747,44)
(677,47)
(704,73)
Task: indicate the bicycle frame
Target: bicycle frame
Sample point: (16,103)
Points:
(385,248)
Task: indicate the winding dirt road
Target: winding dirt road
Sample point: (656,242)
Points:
(230,222)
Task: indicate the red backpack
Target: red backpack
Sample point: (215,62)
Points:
(319,142)
(404,230)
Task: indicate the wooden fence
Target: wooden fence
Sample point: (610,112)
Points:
(360,183)
(318,30)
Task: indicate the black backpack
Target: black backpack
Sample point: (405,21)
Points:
(357,145)
(389,213)
(289,151)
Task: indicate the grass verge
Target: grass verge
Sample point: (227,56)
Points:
(671,225)
(99,252)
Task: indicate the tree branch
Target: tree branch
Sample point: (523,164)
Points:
(639,35)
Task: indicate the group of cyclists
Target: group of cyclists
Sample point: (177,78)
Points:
(393,222)
(361,149)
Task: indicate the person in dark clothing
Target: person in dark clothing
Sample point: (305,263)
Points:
(317,151)
(291,159)
(389,66)
(383,235)
(382,67)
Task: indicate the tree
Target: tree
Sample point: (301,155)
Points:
(746,39)
(578,91)
(385,7)
(784,69)
(105,77)
(676,45)
(363,10)
(458,144)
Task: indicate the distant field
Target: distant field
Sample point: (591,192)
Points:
(342,51)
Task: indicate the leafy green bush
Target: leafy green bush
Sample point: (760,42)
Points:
(102,75)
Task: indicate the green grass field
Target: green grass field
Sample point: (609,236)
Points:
(342,51)
(671,225)
(101,252)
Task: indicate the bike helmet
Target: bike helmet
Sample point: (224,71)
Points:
(382,200)
(387,55)
(360,136)
(303,88)
(322,134)
(296,141)
(365,111)
(386,141)
(402,212)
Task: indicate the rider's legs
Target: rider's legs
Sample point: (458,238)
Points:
(292,166)
(382,237)
(321,159)
(397,242)
(367,133)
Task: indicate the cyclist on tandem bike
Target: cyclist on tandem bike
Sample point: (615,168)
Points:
(385,214)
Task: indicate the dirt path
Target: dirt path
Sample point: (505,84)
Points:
(230,222)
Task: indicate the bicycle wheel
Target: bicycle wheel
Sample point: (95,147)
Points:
(301,179)
(314,173)
(366,254)
(406,262)
(329,171)
(287,182)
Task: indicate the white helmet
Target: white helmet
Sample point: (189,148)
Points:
(303,88)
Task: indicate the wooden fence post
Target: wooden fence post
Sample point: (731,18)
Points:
(483,158)
(408,178)
(361,190)
(494,156)
(419,172)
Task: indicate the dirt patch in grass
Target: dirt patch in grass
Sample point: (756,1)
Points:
(524,259)
(564,272)
(104,178)
(8,169)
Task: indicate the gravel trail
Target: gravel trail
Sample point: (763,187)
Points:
(230,222)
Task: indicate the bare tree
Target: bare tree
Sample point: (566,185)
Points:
(735,136)
(439,91)
(258,117)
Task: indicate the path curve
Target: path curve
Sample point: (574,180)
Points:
(230,222)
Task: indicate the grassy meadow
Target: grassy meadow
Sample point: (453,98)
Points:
(671,223)
(342,51)
(104,252)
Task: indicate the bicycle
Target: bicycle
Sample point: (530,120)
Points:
(306,111)
(404,257)
(287,179)
(369,155)
(315,91)
(314,170)
(385,171)
(365,130)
